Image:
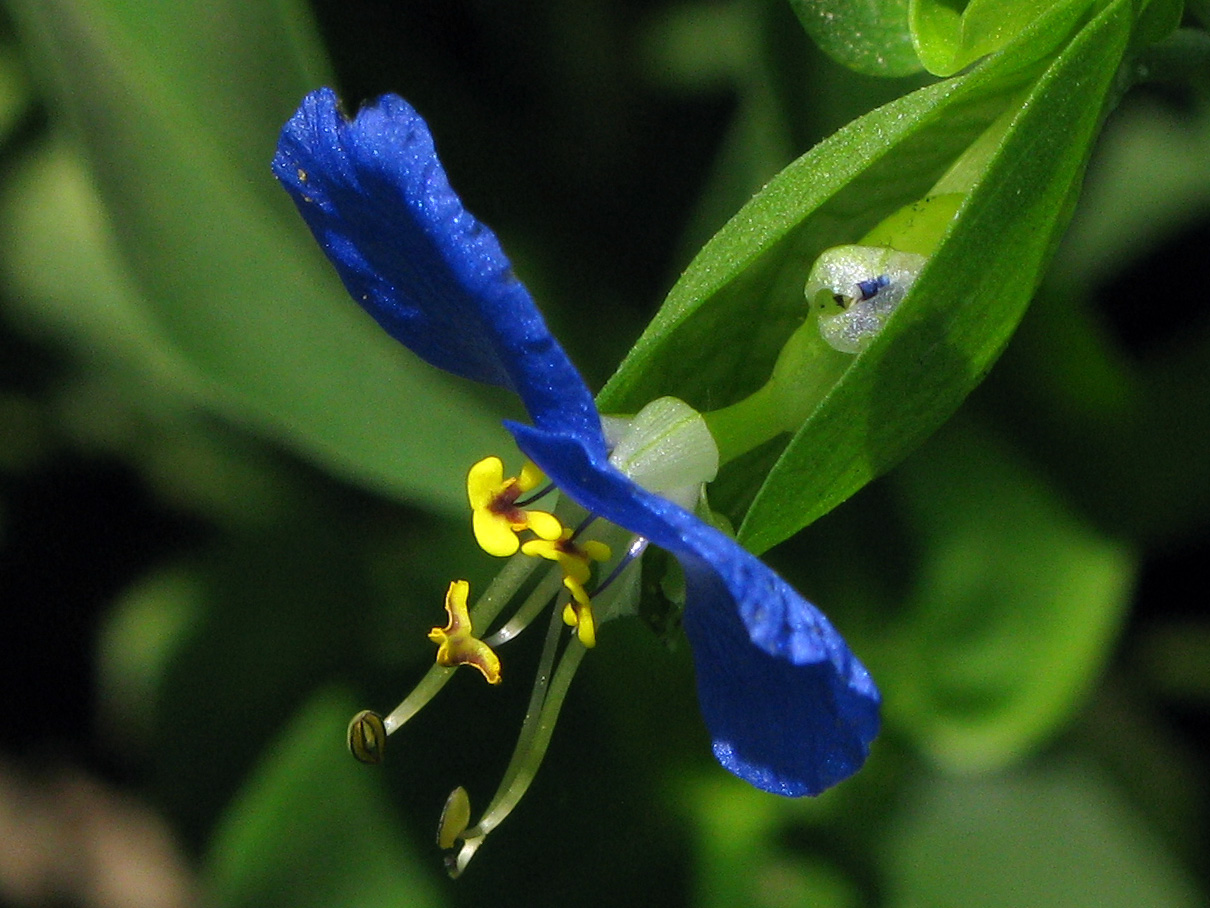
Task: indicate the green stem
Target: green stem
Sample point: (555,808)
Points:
(805,372)
(544,704)
(746,424)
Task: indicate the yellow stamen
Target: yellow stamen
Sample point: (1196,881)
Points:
(456,642)
(455,817)
(496,519)
(575,558)
(578,613)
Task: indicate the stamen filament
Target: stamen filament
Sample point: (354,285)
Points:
(498,594)
(537,496)
(545,702)
(637,547)
(433,680)
(584,524)
(547,588)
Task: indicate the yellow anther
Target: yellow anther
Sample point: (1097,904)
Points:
(575,558)
(578,613)
(496,519)
(455,817)
(456,643)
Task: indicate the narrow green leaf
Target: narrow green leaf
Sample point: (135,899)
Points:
(236,66)
(1160,20)
(310,828)
(871,38)
(965,304)
(224,270)
(720,329)
(1152,177)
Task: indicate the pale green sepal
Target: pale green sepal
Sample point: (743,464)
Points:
(720,331)
(665,448)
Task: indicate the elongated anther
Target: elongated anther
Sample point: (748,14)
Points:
(455,817)
(367,737)
(457,643)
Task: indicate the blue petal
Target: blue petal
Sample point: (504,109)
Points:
(795,721)
(789,708)
(379,203)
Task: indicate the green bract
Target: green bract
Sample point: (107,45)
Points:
(987,135)
(948,40)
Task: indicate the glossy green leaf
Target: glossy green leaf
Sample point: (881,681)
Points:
(1151,180)
(871,38)
(1016,606)
(1160,20)
(963,307)
(224,276)
(948,39)
(722,325)
(311,828)
(1078,380)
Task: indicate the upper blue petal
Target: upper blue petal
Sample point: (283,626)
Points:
(789,708)
(378,201)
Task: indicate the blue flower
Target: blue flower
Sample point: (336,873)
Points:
(788,706)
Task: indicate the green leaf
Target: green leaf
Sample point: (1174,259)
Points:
(948,40)
(311,828)
(742,837)
(142,634)
(1059,834)
(223,275)
(871,37)
(1151,181)
(1160,20)
(725,321)
(964,306)
(1016,606)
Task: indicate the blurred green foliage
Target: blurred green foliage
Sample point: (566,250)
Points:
(1019,584)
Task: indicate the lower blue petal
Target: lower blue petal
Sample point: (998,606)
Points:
(789,708)
(793,728)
